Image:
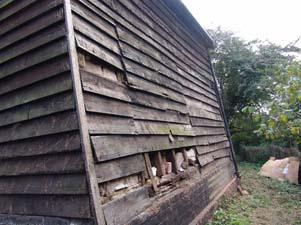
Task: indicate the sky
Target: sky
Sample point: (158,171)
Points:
(278,21)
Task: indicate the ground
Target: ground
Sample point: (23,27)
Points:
(270,202)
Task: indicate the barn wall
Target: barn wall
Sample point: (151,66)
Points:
(148,88)
(42,172)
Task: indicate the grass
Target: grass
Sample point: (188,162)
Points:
(269,202)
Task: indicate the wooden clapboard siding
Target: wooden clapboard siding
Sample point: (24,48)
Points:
(42,172)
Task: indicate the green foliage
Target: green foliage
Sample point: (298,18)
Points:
(260,86)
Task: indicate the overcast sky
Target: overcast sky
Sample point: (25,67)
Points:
(276,20)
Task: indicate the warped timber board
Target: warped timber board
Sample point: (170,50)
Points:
(33,26)
(111,106)
(98,85)
(34,10)
(210,148)
(42,107)
(55,123)
(106,124)
(118,168)
(108,147)
(39,90)
(74,206)
(70,162)
(51,144)
(44,184)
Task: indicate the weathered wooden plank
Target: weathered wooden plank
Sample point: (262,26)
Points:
(104,105)
(97,50)
(44,184)
(193,103)
(43,107)
(201,113)
(109,147)
(31,27)
(56,123)
(98,85)
(149,170)
(39,90)
(33,42)
(102,38)
(203,97)
(63,163)
(121,210)
(34,74)
(200,131)
(12,9)
(118,168)
(207,158)
(59,205)
(28,13)
(203,122)
(37,56)
(210,148)
(90,13)
(151,75)
(143,85)
(106,124)
(51,144)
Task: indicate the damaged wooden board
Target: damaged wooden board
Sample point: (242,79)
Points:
(108,147)
(122,167)
(121,210)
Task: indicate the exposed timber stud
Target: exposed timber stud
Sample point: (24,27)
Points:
(222,110)
(81,113)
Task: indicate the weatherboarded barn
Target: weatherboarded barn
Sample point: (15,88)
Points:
(109,114)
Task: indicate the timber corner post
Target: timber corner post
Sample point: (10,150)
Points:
(95,199)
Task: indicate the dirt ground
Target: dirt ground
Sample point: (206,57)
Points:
(270,202)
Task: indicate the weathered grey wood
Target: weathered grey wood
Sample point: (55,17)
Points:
(27,14)
(122,167)
(43,107)
(102,38)
(44,184)
(109,147)
(209,148)
(143,85)
(56,123)
(33,42)
(32,75)
(201,113)
(31,27)
(13,8)
(40,55)
(72,206)
(84,9)
(95,208)
(121,210)
(48,164)
(63,142)
(105,124)
(98,85)
(221,153)
(193,103)
(201,131)
(156,159)
(203,122)
(104,105)
(97,50)
(207,158)
(39,90)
